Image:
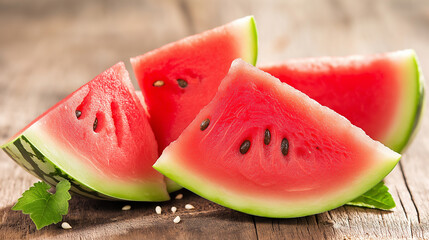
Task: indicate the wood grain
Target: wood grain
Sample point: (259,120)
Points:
(49,48)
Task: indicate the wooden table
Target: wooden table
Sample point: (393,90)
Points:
(49,48)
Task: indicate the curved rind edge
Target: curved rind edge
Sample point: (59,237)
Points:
(263,206)
(418,106)
(28,156)
(420,98)
(254,40)
(247,36)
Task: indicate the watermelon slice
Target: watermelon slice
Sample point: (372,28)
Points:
(98,138)
(264,148)
(382,94)
(180,78)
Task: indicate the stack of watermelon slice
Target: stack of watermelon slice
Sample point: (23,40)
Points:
(287,140)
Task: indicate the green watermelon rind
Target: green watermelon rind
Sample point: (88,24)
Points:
(253,45)
(33,161)
(259,205)
(413,76)
(38,154)
(265,206)
(171,185)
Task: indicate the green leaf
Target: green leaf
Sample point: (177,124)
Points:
(45,208)
(377,197)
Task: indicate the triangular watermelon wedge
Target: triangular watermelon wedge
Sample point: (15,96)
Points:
(381,93)
(180,78)
(98,138)
(264,148)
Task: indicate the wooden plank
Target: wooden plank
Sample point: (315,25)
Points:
(101,219)
(53,47)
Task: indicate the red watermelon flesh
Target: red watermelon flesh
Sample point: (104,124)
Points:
(382,94)
(98,137)
(327,163)
(180,78)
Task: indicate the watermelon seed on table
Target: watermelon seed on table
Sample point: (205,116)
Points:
(66,225)
(204,124)
(126,208)
(158,210)
(78,113)
(189,206)
(182,83)
(158,83)
(176,219)
(267,137)
(245,146)
(284,146)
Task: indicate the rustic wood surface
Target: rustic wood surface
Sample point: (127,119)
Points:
(50,48)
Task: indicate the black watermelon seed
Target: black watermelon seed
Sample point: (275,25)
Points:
(158,83)
(285,146)
(204,124)
(78,113)
(94,126)
(182,83)
(267,137)
(245,146)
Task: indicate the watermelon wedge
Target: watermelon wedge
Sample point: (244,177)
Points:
(264,148)
(180,78)
(382,94)
(98,138)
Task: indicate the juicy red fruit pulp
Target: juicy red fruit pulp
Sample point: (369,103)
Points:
(178,80)
(311,153)
(365,92)
(105,123)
